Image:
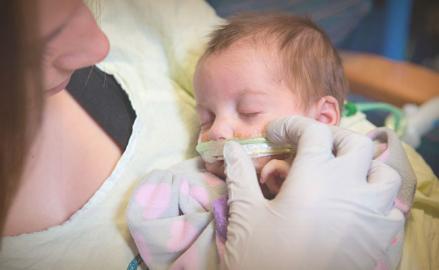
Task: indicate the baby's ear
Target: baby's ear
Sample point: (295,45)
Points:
(327,110)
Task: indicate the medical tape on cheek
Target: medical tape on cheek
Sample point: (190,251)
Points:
(212,151)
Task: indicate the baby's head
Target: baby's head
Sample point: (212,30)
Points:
(261,67)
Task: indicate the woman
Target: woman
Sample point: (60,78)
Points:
(63,165)
(71,40)
(68,208)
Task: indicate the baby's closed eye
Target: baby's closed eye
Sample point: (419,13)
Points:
(249,115)
(248,110)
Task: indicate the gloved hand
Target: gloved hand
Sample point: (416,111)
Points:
(334,210)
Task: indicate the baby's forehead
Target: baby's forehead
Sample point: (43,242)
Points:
(249,54)
(245,52)
(263,46)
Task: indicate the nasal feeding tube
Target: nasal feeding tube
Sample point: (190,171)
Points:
(212,151)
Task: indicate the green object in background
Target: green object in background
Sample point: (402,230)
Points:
(349,109)
(395,121)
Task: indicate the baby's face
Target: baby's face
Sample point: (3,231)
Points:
(238,92)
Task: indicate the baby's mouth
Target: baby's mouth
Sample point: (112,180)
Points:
(218,167)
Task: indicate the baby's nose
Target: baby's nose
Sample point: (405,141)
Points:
(221,130)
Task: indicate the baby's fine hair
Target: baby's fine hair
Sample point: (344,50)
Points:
(311,64)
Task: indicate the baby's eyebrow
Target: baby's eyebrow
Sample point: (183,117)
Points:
(253,91)
(246,92)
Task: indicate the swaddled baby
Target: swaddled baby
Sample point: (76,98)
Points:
(256,68)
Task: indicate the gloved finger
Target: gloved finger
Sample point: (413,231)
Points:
(347,141)
(242,182)
(394,155)
(383,185)
(243,189)
(312,138)
(354,149)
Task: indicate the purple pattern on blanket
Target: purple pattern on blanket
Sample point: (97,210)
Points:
(220,211)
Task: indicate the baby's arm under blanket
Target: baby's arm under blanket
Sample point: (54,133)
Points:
(170,217)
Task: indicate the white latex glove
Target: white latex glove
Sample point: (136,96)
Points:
(332,212)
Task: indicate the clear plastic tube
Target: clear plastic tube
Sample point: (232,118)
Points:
(212,151)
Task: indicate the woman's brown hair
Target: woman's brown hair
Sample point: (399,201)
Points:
(20,95)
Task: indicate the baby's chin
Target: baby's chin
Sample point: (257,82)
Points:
(217,168)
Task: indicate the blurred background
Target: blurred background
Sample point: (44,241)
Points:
(403,33)
(397,29)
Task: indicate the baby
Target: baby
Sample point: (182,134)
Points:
(256,68)
(260,68)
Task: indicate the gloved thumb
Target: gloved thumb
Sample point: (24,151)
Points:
(242,182)
(385,182)
(244,191)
